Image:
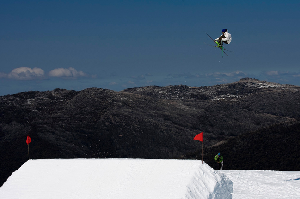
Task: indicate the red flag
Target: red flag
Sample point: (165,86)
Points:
(199,137)
(28,140)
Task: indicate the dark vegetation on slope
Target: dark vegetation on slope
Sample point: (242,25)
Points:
(148,122)
(273,148)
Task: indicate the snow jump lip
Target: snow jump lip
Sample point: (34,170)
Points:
(116,178)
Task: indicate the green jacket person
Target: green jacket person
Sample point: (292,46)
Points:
(219,159)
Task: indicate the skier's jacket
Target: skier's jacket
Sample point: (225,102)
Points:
(226,38)
(218,159)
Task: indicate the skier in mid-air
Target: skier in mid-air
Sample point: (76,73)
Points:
(224,38)
(219,159)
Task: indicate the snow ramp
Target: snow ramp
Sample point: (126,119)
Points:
(116,178)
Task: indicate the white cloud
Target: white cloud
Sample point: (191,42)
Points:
(113,83)
(3,75)
(236,73)
(231,74)
(272,73)
(130,82)
(25,73)
(66,72)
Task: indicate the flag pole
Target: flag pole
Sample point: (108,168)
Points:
(202,152)
(200,138)
(28,152)
(28,140)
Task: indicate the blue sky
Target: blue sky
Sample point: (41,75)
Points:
(119,44)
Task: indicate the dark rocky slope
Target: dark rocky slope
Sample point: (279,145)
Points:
(273,148)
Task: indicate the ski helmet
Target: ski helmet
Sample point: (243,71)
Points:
(219,154)
(224,30)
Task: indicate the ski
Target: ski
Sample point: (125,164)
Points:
(218,46)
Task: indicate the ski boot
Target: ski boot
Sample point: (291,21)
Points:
(219,44)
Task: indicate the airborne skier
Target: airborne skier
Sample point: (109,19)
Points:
(224,38)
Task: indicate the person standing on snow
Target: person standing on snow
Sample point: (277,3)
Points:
(219,159)
(224,38)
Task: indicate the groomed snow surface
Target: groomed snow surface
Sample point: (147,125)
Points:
(264,184)
(116,179)
(142,179)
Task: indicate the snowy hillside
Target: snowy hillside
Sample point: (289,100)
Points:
(116,178)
